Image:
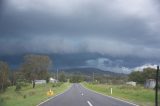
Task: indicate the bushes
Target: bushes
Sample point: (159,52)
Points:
(130,87)
(1,101)
(32,93)
(18,87)
(77,78)
(57,84)
(24,96)
(20,84)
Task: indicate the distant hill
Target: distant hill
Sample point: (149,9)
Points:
(90,71)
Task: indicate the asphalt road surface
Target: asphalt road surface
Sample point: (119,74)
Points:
(77,95)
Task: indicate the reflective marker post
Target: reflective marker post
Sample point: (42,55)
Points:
(50,93)
(156,91)
(111,91)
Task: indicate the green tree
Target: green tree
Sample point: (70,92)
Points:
(4,70)
(149,73)
(36,67)
(76,78)
(62,77)
(142,76)
(137,77)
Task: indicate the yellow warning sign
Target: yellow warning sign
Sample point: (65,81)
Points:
(50,93)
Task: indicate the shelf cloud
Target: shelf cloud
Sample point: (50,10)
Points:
(119,28)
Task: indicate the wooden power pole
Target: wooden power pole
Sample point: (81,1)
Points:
(156,91)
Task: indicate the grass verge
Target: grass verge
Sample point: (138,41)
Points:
(28,96)
(138,95)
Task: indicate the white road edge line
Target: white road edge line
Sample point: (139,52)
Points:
(54,96)
(109,96)
(89,103)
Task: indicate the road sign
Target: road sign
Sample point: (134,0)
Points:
(50,93)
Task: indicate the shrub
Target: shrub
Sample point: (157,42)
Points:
(24,96)
(32,93)
(1,101)
(57,84)
(18,86)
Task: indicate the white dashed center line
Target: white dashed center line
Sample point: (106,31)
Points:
(89,103)
(82,94)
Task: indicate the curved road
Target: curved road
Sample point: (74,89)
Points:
(77,95)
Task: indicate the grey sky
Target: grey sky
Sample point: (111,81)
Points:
(119,28)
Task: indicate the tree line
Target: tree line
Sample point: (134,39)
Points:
(36,67)
(33,67)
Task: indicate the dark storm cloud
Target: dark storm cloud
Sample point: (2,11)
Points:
(117,28)
(29,23)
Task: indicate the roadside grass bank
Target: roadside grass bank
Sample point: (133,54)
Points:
(138,95)
(29,96)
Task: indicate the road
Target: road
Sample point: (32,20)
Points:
(77,95)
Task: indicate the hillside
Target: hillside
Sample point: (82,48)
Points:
(90,71)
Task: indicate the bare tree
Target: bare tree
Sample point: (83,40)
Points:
(3,75)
